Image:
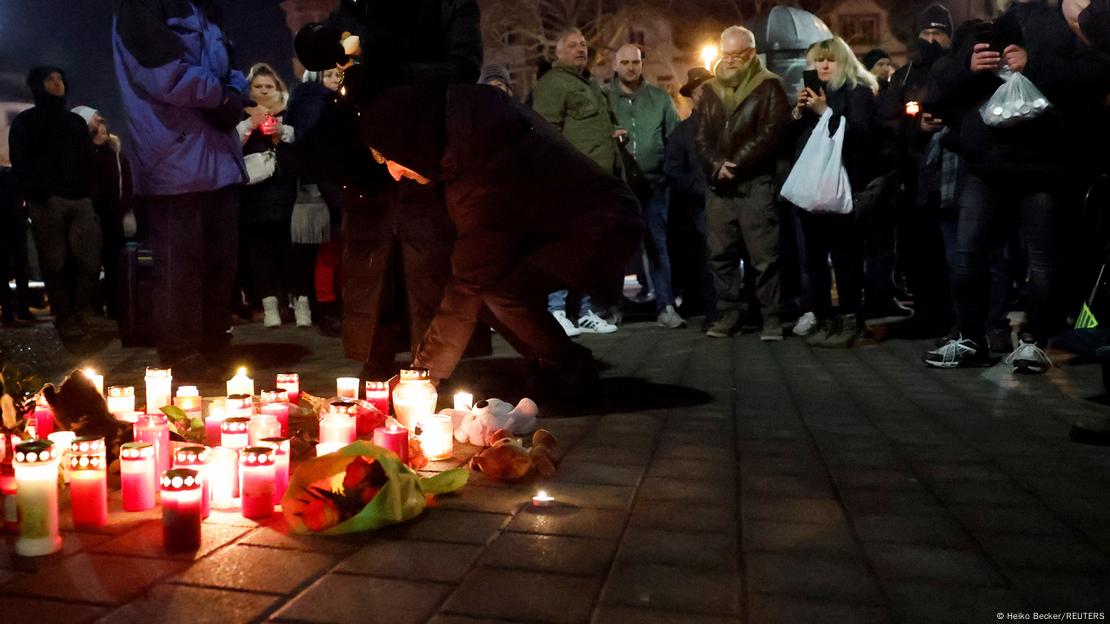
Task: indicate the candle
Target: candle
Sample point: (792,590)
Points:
(338,426)
(264,425)
(138,476)
(377,394)
(414,396)
(240,384)
(239,406)
(326,448)
(196,458)
(281,465)
(36,475)
(43,420)
(215,418)
(62,440)
(188,399)
(256,481)
(233,433)
(393,438)
(159,384)
(346,388)
(541,499)
(181,509)
(437,436)
(291,383)
(276,402)
(223,477)
(464,401)
(97,380)
(88,487)
(121,400)
(155,429)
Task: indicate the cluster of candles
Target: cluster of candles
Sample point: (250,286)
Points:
(245,464)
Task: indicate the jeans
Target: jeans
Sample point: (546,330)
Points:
(558,301)
(984,209)
(1000,275)
(659,260)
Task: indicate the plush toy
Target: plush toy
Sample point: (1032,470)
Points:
(486,417)
(80,408)
(508,460)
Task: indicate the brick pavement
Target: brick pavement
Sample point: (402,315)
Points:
(719,481)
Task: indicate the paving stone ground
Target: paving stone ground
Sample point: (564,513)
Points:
(716,482)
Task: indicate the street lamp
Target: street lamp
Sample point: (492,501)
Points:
(709,56)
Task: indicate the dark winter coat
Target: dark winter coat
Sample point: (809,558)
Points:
(112,192)
(50,147)
(1074,80)
(901,133)
(272,199)
(856,105)
(752,137)
(306,105)
(683,167)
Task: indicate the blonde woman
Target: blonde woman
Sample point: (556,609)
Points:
(847,91)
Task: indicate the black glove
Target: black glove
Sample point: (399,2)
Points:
(230,112)
(318,47)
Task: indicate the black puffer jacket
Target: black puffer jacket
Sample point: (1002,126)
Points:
(51,149)
(1075,80)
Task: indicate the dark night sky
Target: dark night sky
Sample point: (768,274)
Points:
(76,35)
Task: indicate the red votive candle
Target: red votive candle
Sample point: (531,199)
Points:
(155,429)
(223,477)
(256,481)
(196,458)
(291,383)
(43,419)
(181,509)
(377,394)
(281,465)
(262,426)
(215,418)
(239,406)
(276,402)
(138,477)
(233,433)
(88,483)
(393,438)
(10,512)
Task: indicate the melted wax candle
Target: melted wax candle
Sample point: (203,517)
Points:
(240,384)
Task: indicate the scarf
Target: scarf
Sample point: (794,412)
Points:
(734,89)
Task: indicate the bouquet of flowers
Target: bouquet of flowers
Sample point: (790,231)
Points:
(361,487)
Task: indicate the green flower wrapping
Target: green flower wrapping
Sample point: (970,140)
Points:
(315,500)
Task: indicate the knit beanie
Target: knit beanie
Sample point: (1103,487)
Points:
(495,71)
(935,16)
(874,56)
(86,112)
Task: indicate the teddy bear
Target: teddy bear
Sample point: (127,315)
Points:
(507,460)
(488,416)
(79,407)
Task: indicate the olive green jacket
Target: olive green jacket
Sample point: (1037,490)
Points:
(579,108)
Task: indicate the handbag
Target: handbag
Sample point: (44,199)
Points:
(818,182)
(260,166)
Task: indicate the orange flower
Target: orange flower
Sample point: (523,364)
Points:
(357,473)
(368,493)
(320,514)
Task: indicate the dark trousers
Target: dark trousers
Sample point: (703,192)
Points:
(68,239)
(749,221)
(690,256)
(880,260)
(13,264)
(922,259)
(273,268)
(194,238)
(837,236)
(986,209)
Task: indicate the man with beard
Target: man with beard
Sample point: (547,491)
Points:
(911,129)
(396,237)
(742,123)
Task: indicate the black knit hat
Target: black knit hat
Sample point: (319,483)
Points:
(872,57)
(935,16)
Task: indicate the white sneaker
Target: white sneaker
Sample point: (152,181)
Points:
(271,317)
(303,312)
(670,319)
(806,324)
(591,323)
(1028,358)
(564,322)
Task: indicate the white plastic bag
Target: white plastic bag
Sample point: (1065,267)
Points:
(818,182)
(260,166)
(1017,100)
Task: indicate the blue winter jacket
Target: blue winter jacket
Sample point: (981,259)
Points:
(174,149)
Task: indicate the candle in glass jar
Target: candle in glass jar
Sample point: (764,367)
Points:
(239,406)
(464,401)
(240,384)
(256,481)
(62,440)
(394,438)
(155,429)
(291,383)
(159,384)
(339,424)
(346,388)
(223,477)
(189,401)
(88,485)
(327,448)
(377,394)
(233,433)
(43,419)
(196,458)
(437,436)
(138,476)
(36,475)
(121,400)
(264,425)
(276,402)
(96,379)
(281,465)
(181,509)
(215,418)
(414,396)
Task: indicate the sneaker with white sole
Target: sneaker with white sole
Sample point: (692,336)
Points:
(302,311)
(958,353)
(670,319)
(591,323)
(565,323)
(806,324)
(1028,358)
(271,317)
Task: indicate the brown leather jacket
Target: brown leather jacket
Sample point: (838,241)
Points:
(752,137)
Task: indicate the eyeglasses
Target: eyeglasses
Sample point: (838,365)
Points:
(737,56)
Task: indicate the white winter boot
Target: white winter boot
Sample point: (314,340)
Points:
(271,316)
(303,312)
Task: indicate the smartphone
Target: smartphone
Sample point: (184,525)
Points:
(811,81)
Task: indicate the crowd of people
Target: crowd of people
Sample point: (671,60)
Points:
(401,195)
